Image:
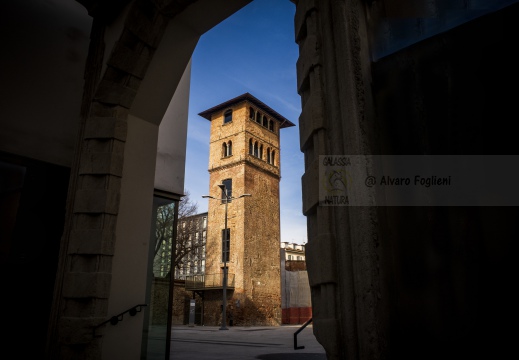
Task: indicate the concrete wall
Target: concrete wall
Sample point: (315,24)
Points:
(406,282)
(450,261)
(35,119)
(132,238)
(171,151)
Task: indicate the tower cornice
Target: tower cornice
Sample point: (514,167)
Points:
(247,161)
(283,122)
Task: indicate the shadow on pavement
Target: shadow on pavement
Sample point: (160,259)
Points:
(285,356)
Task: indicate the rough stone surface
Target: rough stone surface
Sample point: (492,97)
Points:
(253,221)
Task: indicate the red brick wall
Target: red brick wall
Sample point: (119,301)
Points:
(296,315)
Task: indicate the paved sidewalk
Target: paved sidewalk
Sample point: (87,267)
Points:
(244,343)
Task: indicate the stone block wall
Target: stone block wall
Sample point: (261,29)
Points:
(253,221)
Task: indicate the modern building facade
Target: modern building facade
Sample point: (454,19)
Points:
(191,245)
(93,92)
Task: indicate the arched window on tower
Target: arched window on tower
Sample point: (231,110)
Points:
(258,117)
(271,125)
(224,150)
(265,121)
(261,152)
(229,148)
(256,149)
(251,149)
(268,155)
(227,116)
(251,113)
(273,158)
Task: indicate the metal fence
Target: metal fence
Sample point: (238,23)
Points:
(208,281)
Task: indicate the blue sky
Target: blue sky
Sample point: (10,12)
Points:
(252,51)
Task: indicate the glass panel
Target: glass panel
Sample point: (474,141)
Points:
(155,333)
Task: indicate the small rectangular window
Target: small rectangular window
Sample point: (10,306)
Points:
(226,244)
(228,186)
(227,116)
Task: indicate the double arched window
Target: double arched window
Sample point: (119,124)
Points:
(256,149)
(227,149)
(271,156)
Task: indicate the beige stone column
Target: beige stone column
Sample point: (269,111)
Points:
(334,84)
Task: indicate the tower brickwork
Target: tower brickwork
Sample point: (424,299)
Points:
(244,154)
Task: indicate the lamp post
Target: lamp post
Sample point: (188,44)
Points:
(225,250)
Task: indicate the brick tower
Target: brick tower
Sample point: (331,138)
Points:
(244,155)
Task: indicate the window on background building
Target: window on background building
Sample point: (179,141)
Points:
(299,258)
(228,186)
(205,223)
(226,244)
(289,257)
(227,116)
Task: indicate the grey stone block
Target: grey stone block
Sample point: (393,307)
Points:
(101,164)
(97,201)
(106,128)
(92,242)
(80,285)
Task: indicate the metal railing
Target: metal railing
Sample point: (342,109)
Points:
(114,320)
(297,332)
(208,281)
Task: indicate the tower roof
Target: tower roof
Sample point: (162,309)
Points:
(248,97)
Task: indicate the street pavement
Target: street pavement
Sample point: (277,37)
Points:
(244,343)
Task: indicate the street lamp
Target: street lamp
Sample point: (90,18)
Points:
(226,198)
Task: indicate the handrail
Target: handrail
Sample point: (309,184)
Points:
(114,320)
(297,332)
(208,281)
